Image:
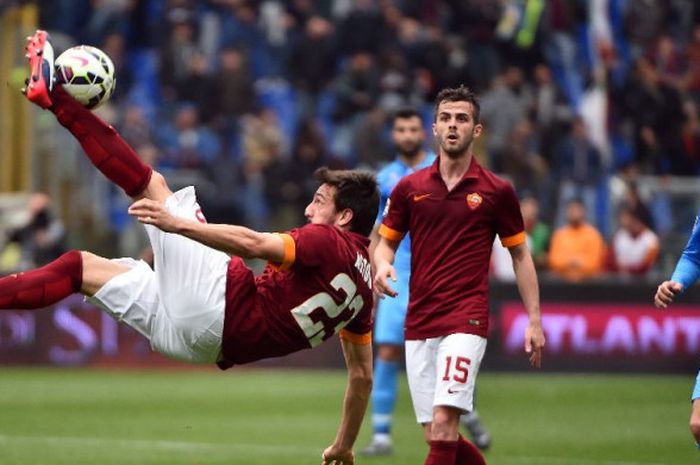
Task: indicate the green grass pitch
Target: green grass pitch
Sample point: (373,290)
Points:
(285,417)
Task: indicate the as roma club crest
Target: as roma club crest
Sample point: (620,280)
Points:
(474,200)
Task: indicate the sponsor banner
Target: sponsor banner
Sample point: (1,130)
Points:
(587,335)
(611,330)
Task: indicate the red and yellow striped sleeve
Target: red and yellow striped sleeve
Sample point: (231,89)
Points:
(357,339)
(290,252)
(390,234)
(512,241)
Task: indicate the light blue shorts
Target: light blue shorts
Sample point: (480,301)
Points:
(390,317)
(696,389)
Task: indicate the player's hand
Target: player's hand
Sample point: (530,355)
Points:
(335,455)
(381,280)
(534,342)
(149,211)
(666,292)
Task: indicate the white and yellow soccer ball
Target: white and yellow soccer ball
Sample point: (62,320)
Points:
(87,74)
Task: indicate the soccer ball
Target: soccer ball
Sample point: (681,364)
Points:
(87,74)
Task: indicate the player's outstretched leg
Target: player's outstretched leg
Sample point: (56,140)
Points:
(695,414)
(128,298)
(103,145)
(384,394)
(73,272)
(43,286)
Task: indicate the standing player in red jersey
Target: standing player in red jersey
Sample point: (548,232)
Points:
(200,305)
(453,211)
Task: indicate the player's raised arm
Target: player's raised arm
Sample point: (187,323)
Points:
(358,359)
(383,259)
(234,240)
(686,273)
(526,277)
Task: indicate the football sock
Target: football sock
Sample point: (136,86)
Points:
(384,393)
(468,453)
(442,453)
(102,144)
(43,286)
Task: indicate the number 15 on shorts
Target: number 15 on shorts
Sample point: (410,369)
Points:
(459,372)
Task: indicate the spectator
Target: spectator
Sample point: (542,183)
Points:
(396,82)
(240,29)
(657,113)
(690,81)
(200,87)
(643,23)
(362,29)
(187,143)
(114,45)
(577,251)
(550,110)
(177,53)
(560,21)
(522,161)
(665,57)
(357,89)
(371,145)
(538,232)
(312,62)
(262,138)
(356,92)
(135,127)
(291,182)
(234,84)
(579,170)
(690,138)
(42,239)
(507,91)
(632,200)
(262,147)
(477,22)
(635,247)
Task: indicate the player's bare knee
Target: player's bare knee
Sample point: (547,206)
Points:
(157,188)
(695,420)
(88,259)
(97,271)
(695,426)
(445,424)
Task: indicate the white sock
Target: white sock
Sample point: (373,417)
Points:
(382,438)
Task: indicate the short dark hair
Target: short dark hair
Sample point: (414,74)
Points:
(459,94)
(405,113)
(356,190)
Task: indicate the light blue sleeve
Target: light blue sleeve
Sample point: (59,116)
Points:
(383,193)
(688,267)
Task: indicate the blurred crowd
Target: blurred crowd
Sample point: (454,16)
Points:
(580,100)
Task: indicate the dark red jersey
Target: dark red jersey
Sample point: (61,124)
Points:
(452,234)
(322,286)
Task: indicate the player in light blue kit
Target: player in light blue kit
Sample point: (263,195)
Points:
(408,137)
(685,275)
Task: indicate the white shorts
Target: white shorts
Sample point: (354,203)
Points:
(180,306)
(442,372)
